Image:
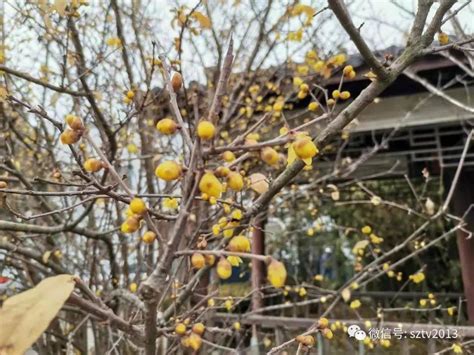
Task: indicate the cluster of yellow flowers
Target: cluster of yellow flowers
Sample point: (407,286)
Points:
(135,212)
(309,341)
(75,131)
(93,165)
(431,301)
(418,277)
(114,42)
(128,97)
(191,338)
(302,148)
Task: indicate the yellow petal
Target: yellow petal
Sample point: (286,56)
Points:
(234,260)
(204,21)
(346,294)
(291,154)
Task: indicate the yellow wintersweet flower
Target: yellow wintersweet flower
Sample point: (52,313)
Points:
(418,277)
(229,229)
(376,200)
(170,203)
(375,239)
(385,343)
(302,69)
(312,55)
(337,60)
(300,9)
(133,287)
(278,105)
(114,42)
(319,66)
(302,292)
(210,185)
(297,81)
(254,89)
(283,131)
(132,148)
(239,243)
(313,106)
(236,214)
(216,229)
(295,36)
(355,304)
(224,269)
(443,38)
(457,348)
(228,304)
(234,260)
(303,148)
(276,273)
(267,342)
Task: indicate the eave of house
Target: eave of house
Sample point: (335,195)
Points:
(402,111)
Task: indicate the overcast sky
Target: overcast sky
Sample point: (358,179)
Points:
(385,23)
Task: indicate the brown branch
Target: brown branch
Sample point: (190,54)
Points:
(438,92)
(104,128)
(185,293)
(222,83)
(263,258)
(119,27)
(455,180)
(435,24)
(340,10)
(107,315)
(454,45)
(32,228)
(122,183)
(31,254)
(60,210)
(174,103)
(41,82)
(342,119)
(419,22)
(455,12)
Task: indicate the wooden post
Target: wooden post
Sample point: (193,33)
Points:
(431,347)
(405,347)
(320,343)
(279,335)
(258,268)
(258,247)
(463,197)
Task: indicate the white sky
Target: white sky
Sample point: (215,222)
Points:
(385,24)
